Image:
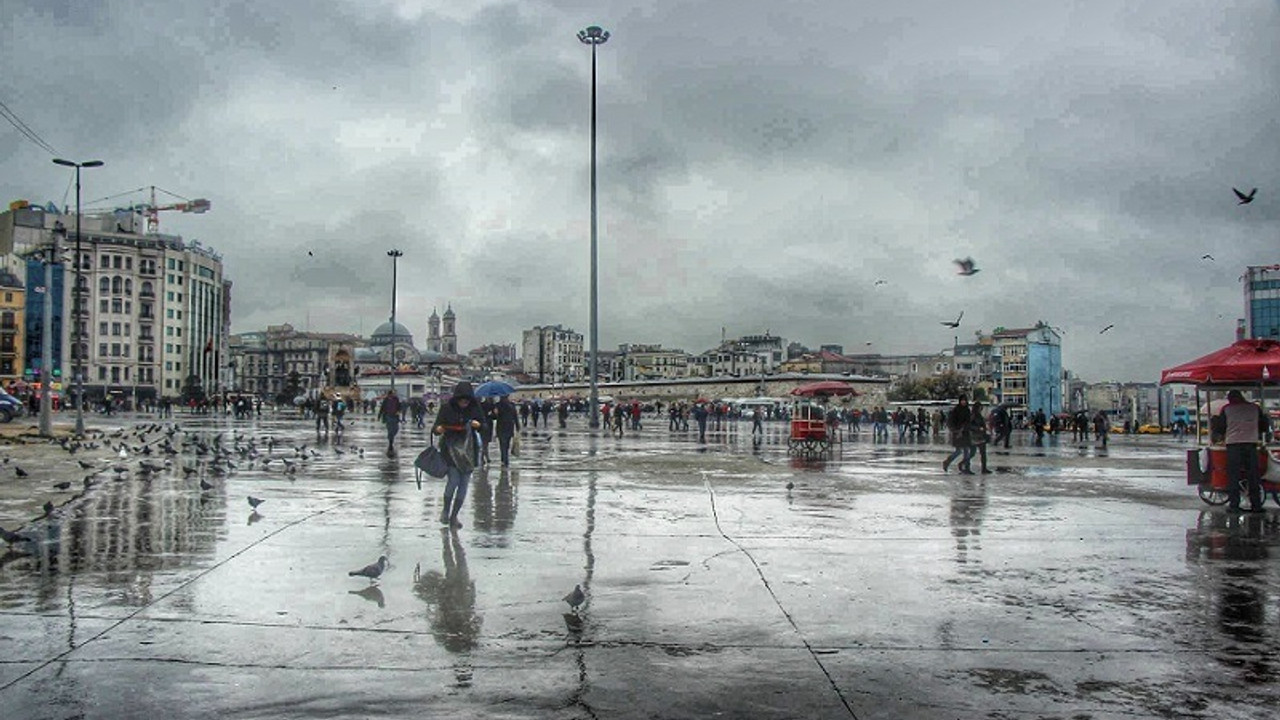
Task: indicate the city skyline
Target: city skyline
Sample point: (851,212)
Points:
(814,174)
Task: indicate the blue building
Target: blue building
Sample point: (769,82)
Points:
(1262,302)
(1030,368)
(36,299)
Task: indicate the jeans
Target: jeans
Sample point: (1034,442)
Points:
(504,444)
(393,427)
(966,451)
(455,491)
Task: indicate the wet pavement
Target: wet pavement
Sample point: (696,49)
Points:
(1073,582)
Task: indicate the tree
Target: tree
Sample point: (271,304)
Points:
(947,386)
(192,390)
(908,389)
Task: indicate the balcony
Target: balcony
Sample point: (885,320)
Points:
(146,293)
(146,338)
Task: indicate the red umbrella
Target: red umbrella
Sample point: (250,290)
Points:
(825,388)
(1245,361)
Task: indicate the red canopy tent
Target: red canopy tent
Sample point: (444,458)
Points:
(825,388)
(1244,361)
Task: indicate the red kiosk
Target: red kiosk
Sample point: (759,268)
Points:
(1246,365)
(809,432)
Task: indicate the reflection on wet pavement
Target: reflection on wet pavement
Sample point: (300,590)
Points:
(722,577)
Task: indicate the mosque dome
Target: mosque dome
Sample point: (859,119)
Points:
(383,334)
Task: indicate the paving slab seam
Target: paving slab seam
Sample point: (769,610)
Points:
(63,655)
(711,494)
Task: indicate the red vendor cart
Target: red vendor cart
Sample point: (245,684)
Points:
(1253,367)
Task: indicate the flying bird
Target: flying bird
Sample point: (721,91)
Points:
(966,266)
(254,502)
(576,598)
(310,254)
(371,571)
(1207,256)
(1245,199)
(955,324)
(1105,329)
(878,283)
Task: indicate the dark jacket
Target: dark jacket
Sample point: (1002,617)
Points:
(508,418)
(958,423)
(457,425)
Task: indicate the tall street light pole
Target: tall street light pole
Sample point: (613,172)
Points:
(77,303)
(593,36)
(395,256)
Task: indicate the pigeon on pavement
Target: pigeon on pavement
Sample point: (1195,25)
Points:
(254,502)
(371,571)
(20,472)
(575,598)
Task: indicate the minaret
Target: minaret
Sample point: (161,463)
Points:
(449,338)
(433,332)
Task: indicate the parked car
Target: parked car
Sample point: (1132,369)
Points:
(10,407)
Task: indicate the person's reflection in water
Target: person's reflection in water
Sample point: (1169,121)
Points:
(482,500)
(968,507)
(504,501)
(1238,547)
(450,598)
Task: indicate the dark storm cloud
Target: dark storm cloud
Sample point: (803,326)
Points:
(760,167)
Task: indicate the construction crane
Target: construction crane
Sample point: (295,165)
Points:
(152,211)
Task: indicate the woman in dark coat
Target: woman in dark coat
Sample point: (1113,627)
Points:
(958,423)
(458,425)
(507,420)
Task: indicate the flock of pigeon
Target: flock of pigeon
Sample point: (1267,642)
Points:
(152,448)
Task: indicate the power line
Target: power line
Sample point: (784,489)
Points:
(23,128)
(113,197)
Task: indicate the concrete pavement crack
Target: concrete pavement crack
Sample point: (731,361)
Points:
(711,494)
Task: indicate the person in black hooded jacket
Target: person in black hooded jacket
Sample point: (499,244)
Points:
(458,426)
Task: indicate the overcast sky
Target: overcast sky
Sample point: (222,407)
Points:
(761,164)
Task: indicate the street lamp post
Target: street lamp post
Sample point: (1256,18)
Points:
(395,256)
(77,303)
(593,36)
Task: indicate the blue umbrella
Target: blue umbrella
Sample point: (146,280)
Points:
(494,388)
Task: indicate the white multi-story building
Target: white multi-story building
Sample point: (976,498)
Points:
(551,354)
(153,311)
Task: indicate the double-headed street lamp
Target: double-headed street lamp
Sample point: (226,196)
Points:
(77,301)
(593,36)
(395,256)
